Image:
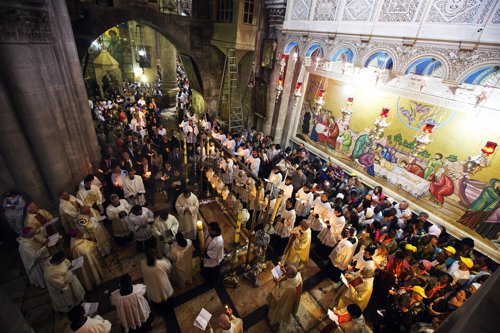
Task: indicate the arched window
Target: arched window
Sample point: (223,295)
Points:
(289,47)
(315,50)
(426,66)
(344,54)
(487,75)
(379,59)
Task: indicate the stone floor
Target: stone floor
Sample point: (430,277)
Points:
(246,301)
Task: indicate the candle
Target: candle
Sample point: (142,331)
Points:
(185,150)
(276,206)
(238,227)
(208,146)
(489,148)
(201,237)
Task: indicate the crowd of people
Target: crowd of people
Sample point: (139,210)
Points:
(387,264)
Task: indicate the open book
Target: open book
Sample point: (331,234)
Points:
(333,317)
(277,272)
(344,280)
(90,308)
(202,320)
(77,263)
(53,239)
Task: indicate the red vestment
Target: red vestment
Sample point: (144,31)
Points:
(440,188)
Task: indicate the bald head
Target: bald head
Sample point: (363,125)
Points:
(304,224)
(291,271)
(224,322)
(84,210)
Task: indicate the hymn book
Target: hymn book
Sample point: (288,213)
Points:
(202,320)
(77,263)
(90,308)
(277,272)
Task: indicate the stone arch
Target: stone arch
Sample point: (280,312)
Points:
(342,49)
(472,69)
(393,58)
(290,45)
(313,46)
(439,57)
(194,41)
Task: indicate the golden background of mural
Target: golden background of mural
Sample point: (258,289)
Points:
(464,133)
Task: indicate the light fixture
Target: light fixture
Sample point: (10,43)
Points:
(141,56)
(295,57)
(282,64)
(279,88)
(380,124)
(350,100)
(319,101)
(297,92)
(422,140)
(475,163)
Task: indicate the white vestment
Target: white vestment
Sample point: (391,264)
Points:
(34,255)
(95,324)
(68,211)
(95,230)
(134,190)
(303,203)
(156,280)
(64,288)
(119,224)
(182,259)
(214,250)
(90,197)
(132,310)
(161,232)
(91,273)
(187,219)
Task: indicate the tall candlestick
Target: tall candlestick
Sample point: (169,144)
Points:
(238,228)
(185,150)
(276,206)
(208,147)
(201,237)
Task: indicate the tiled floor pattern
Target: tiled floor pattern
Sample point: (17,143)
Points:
(247,301)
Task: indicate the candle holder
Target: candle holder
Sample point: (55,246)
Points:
(476,163)
(319,101)
(297,94)
(380,125)
(422,140)
(279,88)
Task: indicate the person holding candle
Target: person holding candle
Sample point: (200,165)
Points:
(213,253)
(228,323)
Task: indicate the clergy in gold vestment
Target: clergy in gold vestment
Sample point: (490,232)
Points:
(69,207)
(64,288)
(91,273)
(89,222)
(187,206)
(297,251)
(90,194)
(37,218)
(34,254)
(181,255)
(285,297)
(154,272)
(359,290)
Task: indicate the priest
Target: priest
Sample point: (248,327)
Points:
(69,207)
(181,256)
(34,254)
(284,299)
(64,288)
(90,194)
(187,206)
(89,221)
(133,189)
(299,246)
(37,218)
(165,228)
(91,273)
(118,212)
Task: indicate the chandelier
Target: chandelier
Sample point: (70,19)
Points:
(141,54)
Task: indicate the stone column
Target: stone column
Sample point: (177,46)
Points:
(279,121)
(42,77)
(168,69)
(271,103)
